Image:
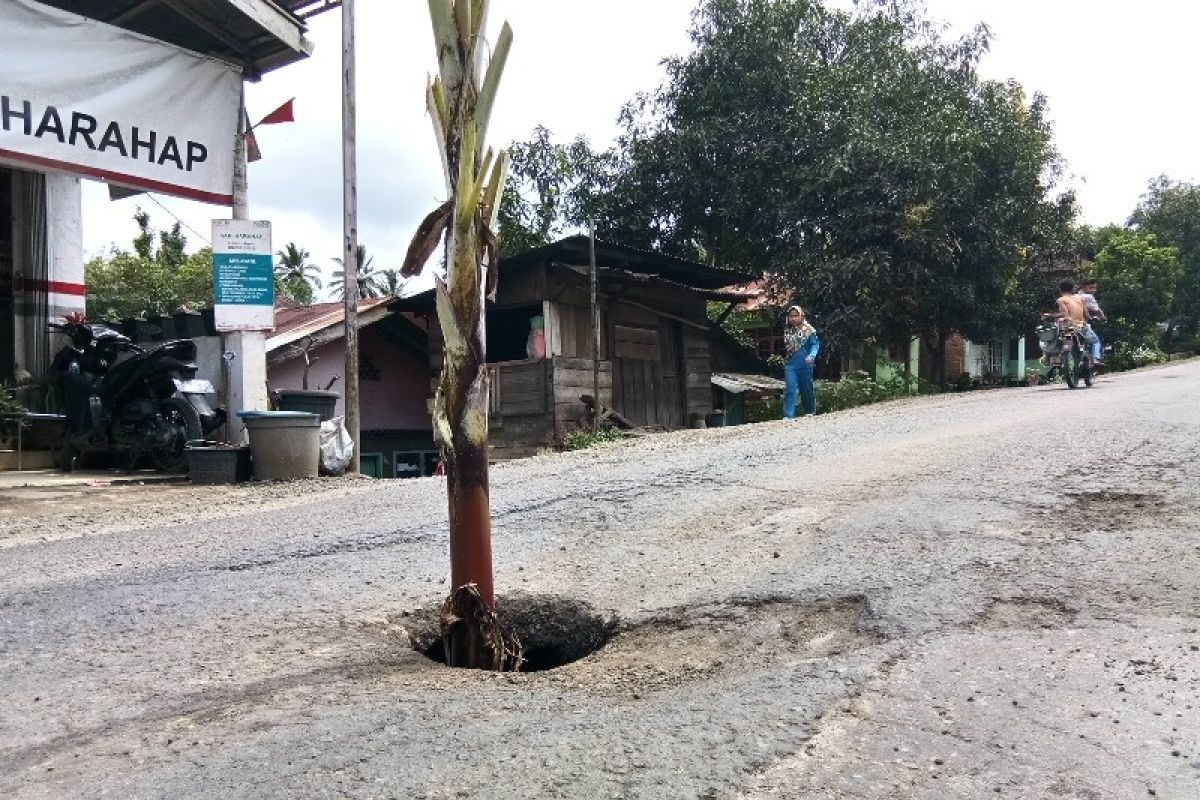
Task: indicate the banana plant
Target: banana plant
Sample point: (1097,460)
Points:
(459,100)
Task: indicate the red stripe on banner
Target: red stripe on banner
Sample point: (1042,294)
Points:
(120,177)
(58,287)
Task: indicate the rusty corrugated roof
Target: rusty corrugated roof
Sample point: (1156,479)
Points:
(296,322)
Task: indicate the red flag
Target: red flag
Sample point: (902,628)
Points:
(252,151)
(281,114)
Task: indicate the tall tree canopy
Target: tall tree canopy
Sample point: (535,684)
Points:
(858,153)
(1138,278)
(153,279)
(548,191)
(1171,211)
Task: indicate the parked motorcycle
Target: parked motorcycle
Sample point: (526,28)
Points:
(148,403)
(1066,352)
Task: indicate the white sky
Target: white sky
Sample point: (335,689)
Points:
(1118,78)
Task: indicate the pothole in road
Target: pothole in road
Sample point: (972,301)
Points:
(725,640)
(553,630)
(668,647)
(1026,613)
(1111,511)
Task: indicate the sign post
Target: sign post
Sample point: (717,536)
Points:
(243,309)
(243,275)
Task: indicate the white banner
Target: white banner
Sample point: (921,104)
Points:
(91,99)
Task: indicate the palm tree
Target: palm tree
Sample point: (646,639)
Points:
(295,275)
(370,283)
(391,282)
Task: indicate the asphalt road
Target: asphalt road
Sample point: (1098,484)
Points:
(992,594)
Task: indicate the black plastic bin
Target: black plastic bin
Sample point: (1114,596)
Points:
(211,464)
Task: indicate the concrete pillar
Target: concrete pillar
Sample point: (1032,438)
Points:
(1021,358)
(245,351)
(64,244)
(247,378)
(914,362)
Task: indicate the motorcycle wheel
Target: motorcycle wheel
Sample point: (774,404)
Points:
(185,424)
(1070,364)
(66,455)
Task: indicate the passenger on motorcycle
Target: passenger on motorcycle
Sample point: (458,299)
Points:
(1087,293)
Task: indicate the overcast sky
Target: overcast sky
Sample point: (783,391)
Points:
(1119,78)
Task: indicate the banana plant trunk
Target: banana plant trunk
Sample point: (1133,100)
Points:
(459,102)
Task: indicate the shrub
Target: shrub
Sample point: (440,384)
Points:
(585,437)
(9,404)
(1133,357)
(762,409)
(857,389)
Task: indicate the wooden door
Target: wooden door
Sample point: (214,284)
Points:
(671,398)
(647,374)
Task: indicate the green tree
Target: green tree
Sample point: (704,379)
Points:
(1138,278)
(857,153)
(370,283)
(295,276)
(550,190)
(1171,211)
(153,279)
(391,283)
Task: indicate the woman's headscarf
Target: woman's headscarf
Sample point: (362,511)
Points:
(797,336)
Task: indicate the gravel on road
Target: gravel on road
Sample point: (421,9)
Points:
(988,594)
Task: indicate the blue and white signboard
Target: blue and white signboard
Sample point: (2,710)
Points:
(243,275)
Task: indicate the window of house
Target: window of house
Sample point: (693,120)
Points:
(371,464)
(768,343)
(414,463)
(368,370)
(508,332)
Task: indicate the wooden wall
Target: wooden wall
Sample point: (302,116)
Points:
(573,379)
(521,419)
(654,359)
(698,368)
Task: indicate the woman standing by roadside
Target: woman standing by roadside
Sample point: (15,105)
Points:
(800,341)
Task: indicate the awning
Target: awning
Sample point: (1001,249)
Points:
(256,35)
(739,383)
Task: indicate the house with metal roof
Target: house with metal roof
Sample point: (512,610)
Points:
(652,361)
(307,350)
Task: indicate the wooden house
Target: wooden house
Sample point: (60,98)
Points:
(655,365)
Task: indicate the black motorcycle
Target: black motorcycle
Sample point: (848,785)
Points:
(1065,350)
(147,404)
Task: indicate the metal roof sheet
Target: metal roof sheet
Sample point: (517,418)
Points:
(258,35)
(574,250)
(740,382)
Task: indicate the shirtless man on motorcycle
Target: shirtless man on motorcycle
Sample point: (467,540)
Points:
(1073,307)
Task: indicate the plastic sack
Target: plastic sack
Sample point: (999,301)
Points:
(337,448)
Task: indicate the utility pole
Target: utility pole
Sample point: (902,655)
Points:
(595,331)
(245,352)
(350,231)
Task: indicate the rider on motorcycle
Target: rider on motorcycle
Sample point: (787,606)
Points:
(1072,307)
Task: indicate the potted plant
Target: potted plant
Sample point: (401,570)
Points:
(321,402)
(1032,377)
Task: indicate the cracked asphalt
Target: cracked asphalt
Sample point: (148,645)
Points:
(991,594)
